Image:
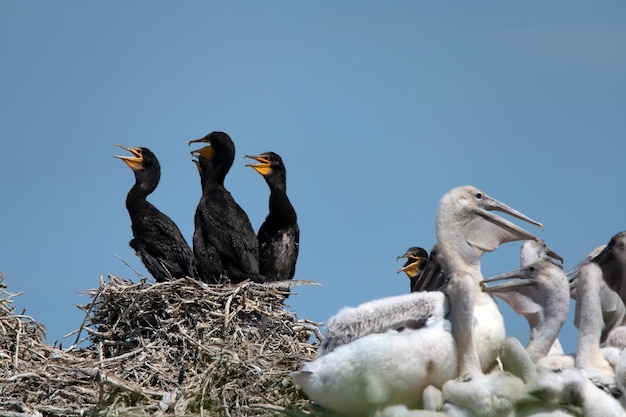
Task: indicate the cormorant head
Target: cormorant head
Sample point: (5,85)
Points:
(216,158)
(416,258)
(267,163)
(142,158)
(216,142)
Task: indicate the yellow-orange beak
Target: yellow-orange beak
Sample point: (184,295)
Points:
(264,166)
(135,162)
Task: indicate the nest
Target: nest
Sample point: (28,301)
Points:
(173,348)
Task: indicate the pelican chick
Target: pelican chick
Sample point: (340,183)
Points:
(533,251)
(597,286)
(470,211)
(386,352)
(540,294)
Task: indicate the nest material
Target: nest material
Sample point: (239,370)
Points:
(179,347)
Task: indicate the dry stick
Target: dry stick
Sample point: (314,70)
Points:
(82,325)
(228,302)
(208,373)
(17,342)
(130,267)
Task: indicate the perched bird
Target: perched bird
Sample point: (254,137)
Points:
(208,261)
(416,258)
(533,251)
(466,229)
(427,274)
(157,240)
(612,260)
(279,235)
(223,229)
(387,351)
(540,294)
(597,285)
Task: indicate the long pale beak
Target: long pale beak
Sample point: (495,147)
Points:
(264,166)
(489,231)
(604,255)
(135,161)
(491,204)
(600,255)
(554,255)
(523,279)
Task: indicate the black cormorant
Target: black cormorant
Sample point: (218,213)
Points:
(223,229)
(157,240)
(279,235)
(416,258)
(208,261)
(423,270)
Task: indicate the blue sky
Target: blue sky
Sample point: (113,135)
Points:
(377,109)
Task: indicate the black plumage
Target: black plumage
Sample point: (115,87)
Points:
(156,238)
(224,244)
(279,235)
(423,270)
(416,258)
(208,261)
(612,260)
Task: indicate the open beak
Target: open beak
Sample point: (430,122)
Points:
(554,255)
(488,231)
(206,151)
(135,162)
(264,166)
(410,268)
(523,279)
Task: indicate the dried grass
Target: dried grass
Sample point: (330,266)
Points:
(174,348)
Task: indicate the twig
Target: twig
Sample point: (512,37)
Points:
(17,342)
(140,275)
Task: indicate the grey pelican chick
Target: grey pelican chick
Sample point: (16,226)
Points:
(540,294)
(466,229)
(597,286)
(388,351)
(533,251)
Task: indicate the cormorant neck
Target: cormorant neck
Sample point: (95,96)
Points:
(145,184)
(213,173)
(281,208)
